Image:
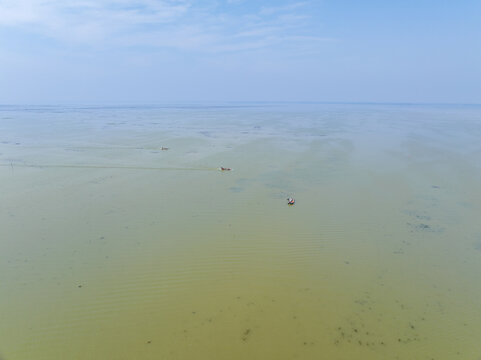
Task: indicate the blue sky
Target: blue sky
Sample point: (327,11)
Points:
(91,51)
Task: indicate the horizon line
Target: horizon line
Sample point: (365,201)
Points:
(212,102)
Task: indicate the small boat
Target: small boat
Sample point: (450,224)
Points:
(225,169)
(291,201)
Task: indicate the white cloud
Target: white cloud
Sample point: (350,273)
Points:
(88,19)
(180,24)
(16,12)
(282,9)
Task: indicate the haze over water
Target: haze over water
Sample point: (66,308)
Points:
(112,247)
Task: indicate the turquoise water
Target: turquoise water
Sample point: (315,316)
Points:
(120,237)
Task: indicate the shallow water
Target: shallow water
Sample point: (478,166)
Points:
(112,248)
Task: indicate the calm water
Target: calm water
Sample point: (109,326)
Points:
(112,248)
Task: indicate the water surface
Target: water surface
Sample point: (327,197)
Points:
(112,248)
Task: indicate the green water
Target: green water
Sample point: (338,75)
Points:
(111,248)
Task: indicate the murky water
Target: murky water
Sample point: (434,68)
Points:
(112,248)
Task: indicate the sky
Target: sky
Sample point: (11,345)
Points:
(155,51)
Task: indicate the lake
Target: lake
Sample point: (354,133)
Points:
(121,238)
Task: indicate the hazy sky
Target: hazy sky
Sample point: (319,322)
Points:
(83,51)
